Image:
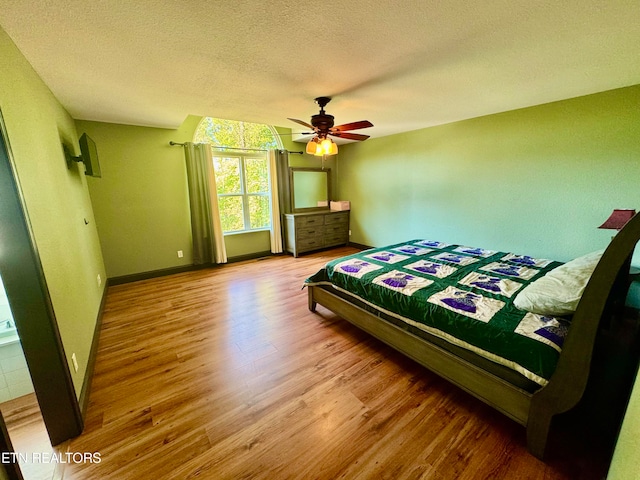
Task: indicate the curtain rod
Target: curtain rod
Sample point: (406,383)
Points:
(172,143)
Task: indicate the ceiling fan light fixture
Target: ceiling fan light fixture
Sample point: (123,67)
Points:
(327,147)
(312,146)
(320,147)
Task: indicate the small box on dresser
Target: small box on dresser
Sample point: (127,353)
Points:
(306,232)
(340,205)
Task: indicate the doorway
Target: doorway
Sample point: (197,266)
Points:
(33,317)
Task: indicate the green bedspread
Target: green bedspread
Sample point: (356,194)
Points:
(461,294)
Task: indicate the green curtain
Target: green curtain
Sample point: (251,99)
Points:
(278,168)
(208,240)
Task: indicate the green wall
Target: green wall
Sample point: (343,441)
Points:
(141,202)
(57,202)
(535,181)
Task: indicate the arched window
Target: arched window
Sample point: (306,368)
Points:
(235,134)
(242,171)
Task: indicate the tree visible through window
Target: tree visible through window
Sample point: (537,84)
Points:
(242,176)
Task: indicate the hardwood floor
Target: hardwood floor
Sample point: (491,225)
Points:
(224,374)
(29,436)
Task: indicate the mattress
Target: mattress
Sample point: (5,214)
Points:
(457,296)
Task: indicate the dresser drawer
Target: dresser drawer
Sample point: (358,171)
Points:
(336,229)
(331,240)
(334,218)
(309,221)
(309,243)
(310,232)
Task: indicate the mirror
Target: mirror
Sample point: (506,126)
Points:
(308,187)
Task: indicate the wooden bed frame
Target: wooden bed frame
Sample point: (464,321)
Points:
(605,291)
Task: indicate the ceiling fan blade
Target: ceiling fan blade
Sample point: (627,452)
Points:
(296,133)
(352,126)
(304,124)
(349,136)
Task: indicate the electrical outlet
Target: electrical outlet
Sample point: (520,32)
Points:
(74,360)
(349,232)
(99,280)
(180,254)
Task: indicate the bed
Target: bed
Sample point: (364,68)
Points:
(515,331)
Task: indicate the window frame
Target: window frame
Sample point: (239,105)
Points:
(243,194)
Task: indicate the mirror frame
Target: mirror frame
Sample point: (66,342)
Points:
(292,188)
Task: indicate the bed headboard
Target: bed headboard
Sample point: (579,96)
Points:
(609,281)
(608,284)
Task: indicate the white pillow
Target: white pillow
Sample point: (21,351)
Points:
(559,291)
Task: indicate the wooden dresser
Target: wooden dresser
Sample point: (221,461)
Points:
(305,232)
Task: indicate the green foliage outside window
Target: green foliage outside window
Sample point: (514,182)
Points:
(228,178)
(231,133)
(259,211)
(242,177)
(231,213)
(257,175)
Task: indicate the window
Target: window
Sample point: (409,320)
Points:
(243,191)
(242,171)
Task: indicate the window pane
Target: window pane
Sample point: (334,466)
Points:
(231,133)
(231,213)
(227,174)
(256,175)
(259,211)
(258,136)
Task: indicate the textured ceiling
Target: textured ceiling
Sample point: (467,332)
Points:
(403,65)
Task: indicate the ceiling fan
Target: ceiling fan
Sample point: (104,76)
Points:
(322,126)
